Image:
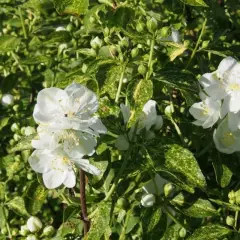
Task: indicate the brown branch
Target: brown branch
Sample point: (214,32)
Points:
(84,215)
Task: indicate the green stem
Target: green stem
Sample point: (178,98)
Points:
(197,44)
(22,23)
(236,219)
(65,199)
(120,86)
(122,236)
(112,134)
(148,74)
(172,217)
(199,154)
(7,225)
(178,131)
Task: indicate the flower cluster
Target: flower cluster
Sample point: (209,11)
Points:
(220,100)
(67,132)
(147,120)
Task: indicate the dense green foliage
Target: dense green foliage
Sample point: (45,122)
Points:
(131,62)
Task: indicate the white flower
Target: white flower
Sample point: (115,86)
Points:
(72,108)
(77,142)
(7,100)
(57,166)
(34,224)
(148,200)
(206,112)
(224,84)
(225,140)
(29,131)
(24,230)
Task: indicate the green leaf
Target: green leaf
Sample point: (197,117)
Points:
(113,77)
(59,37)
(194,207)
(142,93)
(71,6)
(229,206)
(36,195)
(222,172)
(18,205)
(7,83)
(9,43)
(210,232)
(24,144)
(181,160)
(184,81)
(2,190)
(155,223)
(36,60)
(131,222)
(4,122)
(3,216)
(197,3)
(99,223)
(172,232)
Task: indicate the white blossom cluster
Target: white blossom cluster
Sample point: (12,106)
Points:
(221,104)
(148,120)
(68,128)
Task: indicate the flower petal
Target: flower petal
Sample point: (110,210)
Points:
(54,178)
(225,65)
(70,180)
(86,166)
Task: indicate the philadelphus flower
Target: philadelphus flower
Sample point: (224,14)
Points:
(225,140)
(67,132)
(147,119)
(34,224)
(222,101)
(7,100)
(206,112)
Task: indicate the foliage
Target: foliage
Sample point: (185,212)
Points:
(134,61)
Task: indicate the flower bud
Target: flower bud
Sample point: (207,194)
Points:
(232,197)
(205,44)
(168,189)
(34,224)
(24,230)
(96,43)
(148,200)
(122,203)
(182,233)
(16,107)
(48,231)
(142,69)
(168,111)
(134,52)
(15,127)
(140,27)
(165,32)
(152,24)
(16,137)
(230,221)
(31,237)
(61,28)
(29,131)
(237,196)
(69,27)
(124,42)
(7,100)
(4,231)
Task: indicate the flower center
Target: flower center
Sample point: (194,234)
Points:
(234,87)
(205,109)
(227,139)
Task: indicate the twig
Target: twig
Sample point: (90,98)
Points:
(84,214)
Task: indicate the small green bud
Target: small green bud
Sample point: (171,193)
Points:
(29,176)
(230,221)
(232,197)
(12,142)
(124,42)
(168,189)
(92,20)
(25,155)
(48,231)
(106,31)
(15,127)
(122,203)
(29,131)
(24,230)
(205,44)
(14,232)
(4,231)
(84,68)
(96,43)
(134,52)
(17,158)
(142,69)
(152,24)
(168,111)
(165,32)
(16,107)
(182,233)
(237,196)
(140,27)
(16,137)
(69,27)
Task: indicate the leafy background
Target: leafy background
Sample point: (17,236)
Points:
(133,52)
